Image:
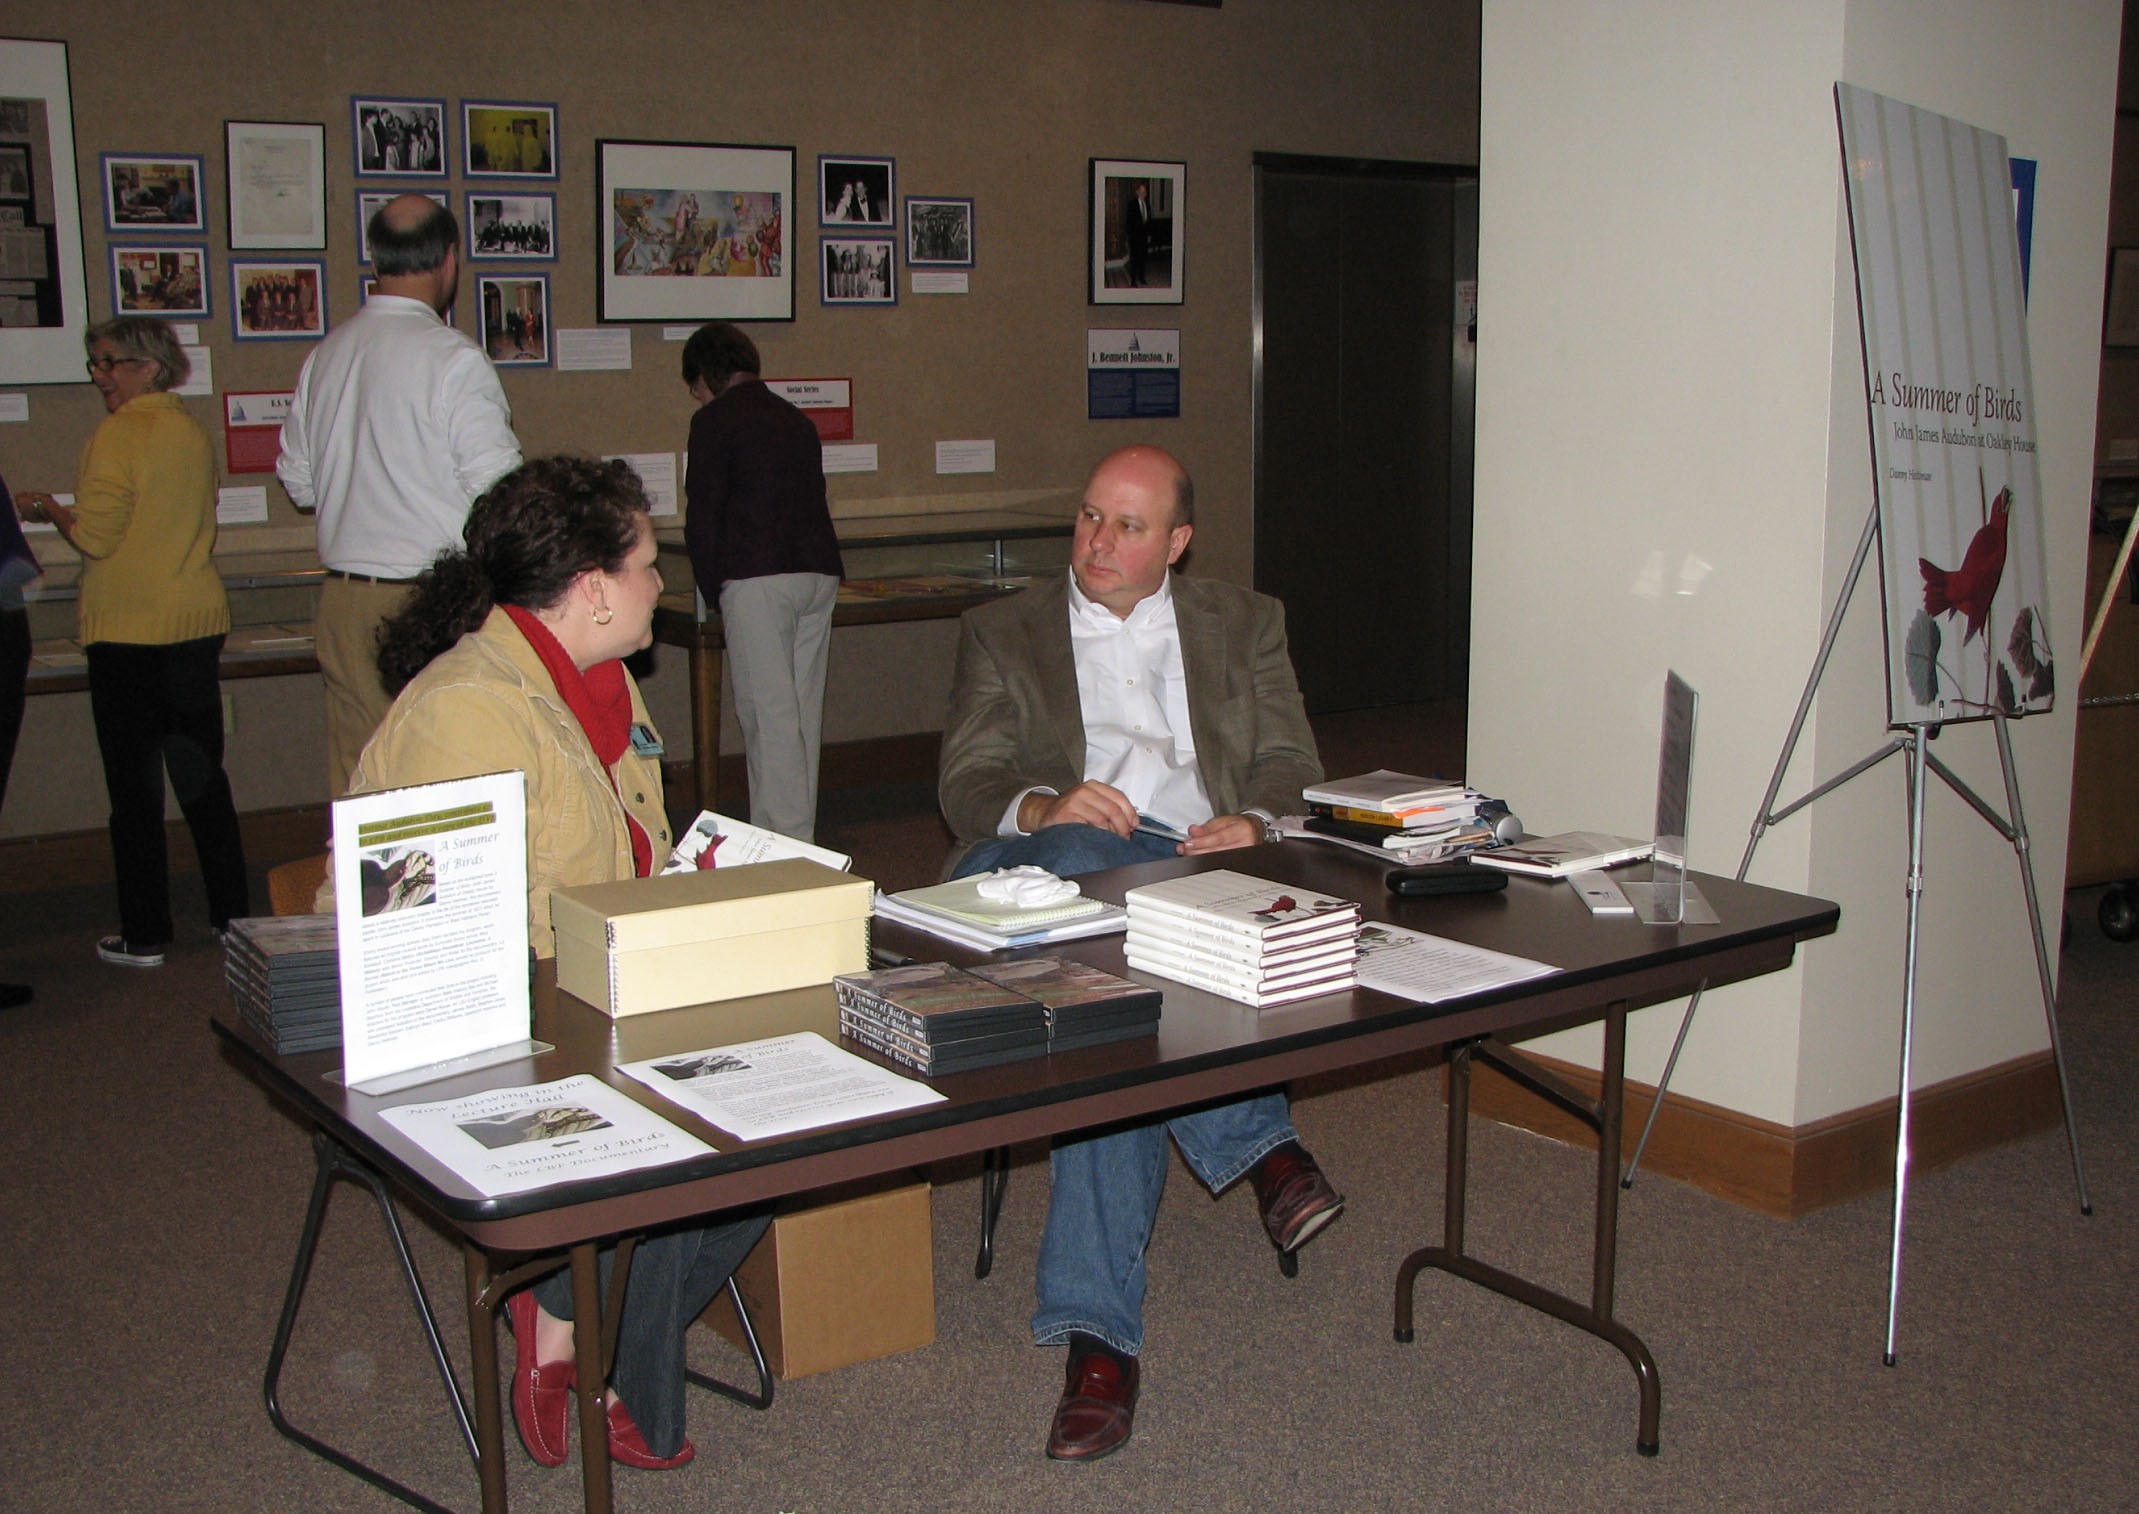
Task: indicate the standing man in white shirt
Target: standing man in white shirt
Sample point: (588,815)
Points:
(398,424)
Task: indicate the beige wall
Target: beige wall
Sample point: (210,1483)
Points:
(1003,102)
(1673,472)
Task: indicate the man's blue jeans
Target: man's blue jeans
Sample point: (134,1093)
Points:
(1107,1187)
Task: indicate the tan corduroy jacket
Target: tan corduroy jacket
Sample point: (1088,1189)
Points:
(487,705)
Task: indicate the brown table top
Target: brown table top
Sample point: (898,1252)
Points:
(1207,1047)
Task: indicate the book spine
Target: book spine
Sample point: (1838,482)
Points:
(1207,972)
(1218,936)
(1259,998)
(1344,948)
(884,1043)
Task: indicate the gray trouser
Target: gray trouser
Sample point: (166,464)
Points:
(779,633)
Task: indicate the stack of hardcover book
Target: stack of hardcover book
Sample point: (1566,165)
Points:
(284,973)
(1404,814)
(956,911)
(1244,938)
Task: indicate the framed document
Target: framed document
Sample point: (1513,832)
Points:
(278,184)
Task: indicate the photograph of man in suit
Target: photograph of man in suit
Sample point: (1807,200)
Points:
(1081,709)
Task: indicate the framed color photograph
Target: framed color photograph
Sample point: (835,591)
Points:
(168,280)
(939,233)
(368,202)
(694,231)
(515,312)
(504,139)
(1136,227)
(44,300)
(856,191)
(511,227)
(858,271)
(145,192)
(278,301)
(277,194)
(399,139)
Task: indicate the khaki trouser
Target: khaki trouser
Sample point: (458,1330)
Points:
(345,639)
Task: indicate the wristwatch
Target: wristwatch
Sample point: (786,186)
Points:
(1271,834)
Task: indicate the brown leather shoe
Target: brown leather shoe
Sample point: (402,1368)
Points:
(1295,1198)
(1098,1407)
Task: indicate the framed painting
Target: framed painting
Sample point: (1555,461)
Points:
(694,231)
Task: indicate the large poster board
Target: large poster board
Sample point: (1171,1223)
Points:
(1952,409)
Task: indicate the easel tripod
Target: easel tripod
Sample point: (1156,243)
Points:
(1915,742)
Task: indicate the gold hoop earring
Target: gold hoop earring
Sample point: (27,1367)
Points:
(604,615)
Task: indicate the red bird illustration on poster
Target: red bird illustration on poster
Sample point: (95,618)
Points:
(1969,589)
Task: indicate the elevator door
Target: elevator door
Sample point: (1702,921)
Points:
(1363,434)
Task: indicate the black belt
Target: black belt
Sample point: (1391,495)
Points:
(366,578)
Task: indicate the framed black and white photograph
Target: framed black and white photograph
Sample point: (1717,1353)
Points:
(1136,221)
(855,191)
(399,139)
(170,279)
(939,232)
(152,192)
(509,139)
(44,301)
(277,301)
(694,231)
(368,203)
(277,195)
(858,271)
(515,312)
(511,227)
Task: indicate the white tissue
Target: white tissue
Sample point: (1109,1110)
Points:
(1027,887)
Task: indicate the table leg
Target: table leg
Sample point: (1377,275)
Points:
(1605,1115)
(483,1361)
(588,1319)
(334,1161)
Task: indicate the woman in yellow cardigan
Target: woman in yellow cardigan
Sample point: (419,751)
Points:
(153,618)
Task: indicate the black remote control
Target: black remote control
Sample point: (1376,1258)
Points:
(1445,878)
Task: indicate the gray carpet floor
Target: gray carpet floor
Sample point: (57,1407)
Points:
(152,1196)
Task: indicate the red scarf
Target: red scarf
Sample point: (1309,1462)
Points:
(600,699)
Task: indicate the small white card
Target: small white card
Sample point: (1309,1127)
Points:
(202,380)
(657,475)
(14,407)
(965,457)
(241,505)
(935,281)
(850,457)
(593,349)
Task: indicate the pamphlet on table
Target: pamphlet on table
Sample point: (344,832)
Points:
(1024,906)
(1568,852)
(430,906)
(774,1087)
(509,1140)
(721,841)
(1430,969)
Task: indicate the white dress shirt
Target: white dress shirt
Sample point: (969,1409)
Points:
(1133,690)
(398,424)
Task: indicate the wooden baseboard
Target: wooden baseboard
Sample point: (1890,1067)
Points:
(1786,1171)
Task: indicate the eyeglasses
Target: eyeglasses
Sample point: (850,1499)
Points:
(106,364)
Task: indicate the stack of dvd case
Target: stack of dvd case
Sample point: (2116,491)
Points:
(1243,938)
(284,972)
(1085,1007)
(936,1018)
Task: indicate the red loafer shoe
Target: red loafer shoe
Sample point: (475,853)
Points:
(541,1396)
(628,1445)
(1098,1407)
(1296,1200)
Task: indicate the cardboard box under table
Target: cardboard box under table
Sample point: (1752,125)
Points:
(643,944)
(841,1277)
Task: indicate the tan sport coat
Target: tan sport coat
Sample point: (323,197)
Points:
(487,705)
(1015,720)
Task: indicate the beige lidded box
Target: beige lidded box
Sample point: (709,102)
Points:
(642,944)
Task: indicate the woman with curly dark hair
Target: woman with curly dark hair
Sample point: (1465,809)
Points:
(510,654)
